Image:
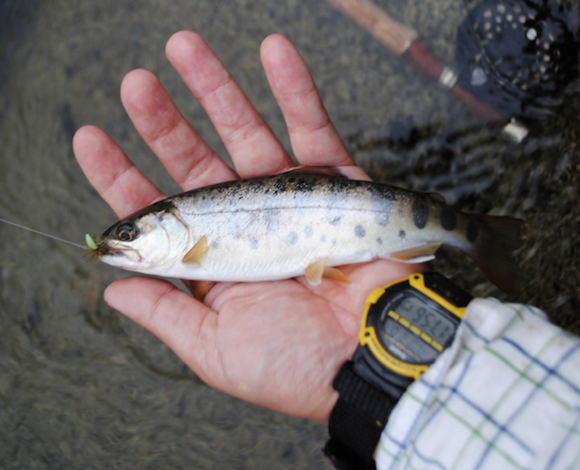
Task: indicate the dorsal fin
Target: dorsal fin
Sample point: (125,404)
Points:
(318,170)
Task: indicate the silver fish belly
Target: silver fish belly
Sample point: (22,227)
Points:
(281,226)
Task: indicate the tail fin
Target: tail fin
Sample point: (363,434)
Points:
(492,253)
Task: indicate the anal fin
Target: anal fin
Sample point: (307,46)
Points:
(197,252)
(418,254)
(336,274)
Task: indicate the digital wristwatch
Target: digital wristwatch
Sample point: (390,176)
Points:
(405,326)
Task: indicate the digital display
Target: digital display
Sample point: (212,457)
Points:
(404,344)
(428,321)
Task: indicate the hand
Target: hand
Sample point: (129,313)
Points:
(278,344)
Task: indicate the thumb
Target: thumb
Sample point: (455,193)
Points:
(173,316)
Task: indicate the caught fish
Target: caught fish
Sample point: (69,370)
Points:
(302,222)
(517,55)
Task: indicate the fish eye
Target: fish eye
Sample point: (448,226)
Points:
(126,232)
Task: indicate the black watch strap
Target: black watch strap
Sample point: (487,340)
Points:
(357,420)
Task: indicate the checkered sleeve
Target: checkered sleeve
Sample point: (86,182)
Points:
(505,395)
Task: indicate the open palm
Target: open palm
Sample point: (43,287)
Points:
(278,344)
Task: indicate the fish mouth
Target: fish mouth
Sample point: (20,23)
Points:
(101,248)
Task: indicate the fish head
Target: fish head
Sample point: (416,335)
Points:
(144,242)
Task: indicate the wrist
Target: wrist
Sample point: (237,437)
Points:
(404,328)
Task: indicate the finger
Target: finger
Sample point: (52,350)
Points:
(188,327)
(254,148)
(111,173)
(187,158)
(312,135)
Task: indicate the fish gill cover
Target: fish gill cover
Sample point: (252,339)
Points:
(516,55)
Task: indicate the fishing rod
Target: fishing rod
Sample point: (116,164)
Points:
(406,42)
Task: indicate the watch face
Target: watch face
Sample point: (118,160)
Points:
(414,329)
(427,318)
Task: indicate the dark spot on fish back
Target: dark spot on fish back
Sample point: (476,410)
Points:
(278,186)
(420,212)
(360,231)
(337,185)
(402,234)
(305,184)
(254,243)
(308,231)
(472,231)
(448,219)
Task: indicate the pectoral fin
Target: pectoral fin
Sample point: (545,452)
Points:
(419,254)
(197,252)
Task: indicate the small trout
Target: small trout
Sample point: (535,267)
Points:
(302,222)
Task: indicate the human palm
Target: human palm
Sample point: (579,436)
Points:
(278,344)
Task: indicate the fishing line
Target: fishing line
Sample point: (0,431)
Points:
(42,233)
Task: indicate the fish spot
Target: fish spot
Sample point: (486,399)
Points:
(472,231)
(420,212)
(323,239)
(254,243)
(448,219)
(272,218)
(308,231)
(293,238)
(334,219)
(380,241)
(402,234)
(382,207)
(382,218)
(360,231)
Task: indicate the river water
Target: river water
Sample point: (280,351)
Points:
(83,387)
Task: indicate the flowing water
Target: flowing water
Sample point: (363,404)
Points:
(83,387)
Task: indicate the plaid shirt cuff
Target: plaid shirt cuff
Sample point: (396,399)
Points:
(505,395)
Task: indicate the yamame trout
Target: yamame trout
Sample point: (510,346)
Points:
(302,222)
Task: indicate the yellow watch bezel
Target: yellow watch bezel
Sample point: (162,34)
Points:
(368,336)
